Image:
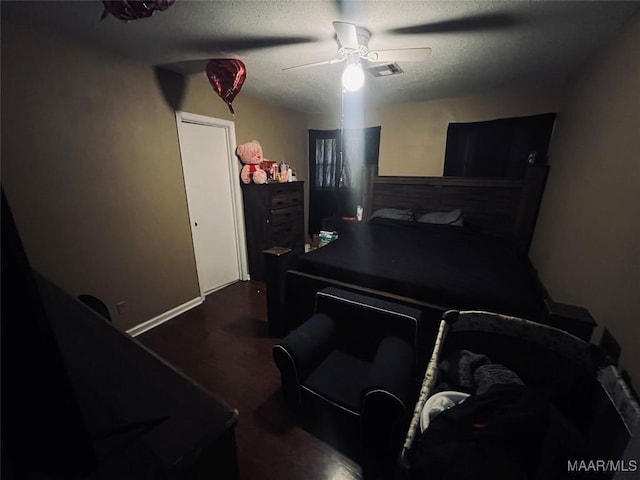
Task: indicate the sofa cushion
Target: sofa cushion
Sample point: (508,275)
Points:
(339,378)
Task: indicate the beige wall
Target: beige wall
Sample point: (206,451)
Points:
(282,133)
(91,168)
(587,241)
(413,136)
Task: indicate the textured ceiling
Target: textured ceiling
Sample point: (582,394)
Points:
(476,46)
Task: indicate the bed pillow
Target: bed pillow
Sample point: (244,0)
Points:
(454,217)
(393,213)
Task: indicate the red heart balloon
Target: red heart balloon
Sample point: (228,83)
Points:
(127,10)
(226,76)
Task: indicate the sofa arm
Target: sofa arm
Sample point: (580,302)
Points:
(385,398)
(300,351)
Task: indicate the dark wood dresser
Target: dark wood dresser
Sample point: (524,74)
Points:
(273,217)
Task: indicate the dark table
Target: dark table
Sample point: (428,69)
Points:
(145,419)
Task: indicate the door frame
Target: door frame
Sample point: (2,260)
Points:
(234,179)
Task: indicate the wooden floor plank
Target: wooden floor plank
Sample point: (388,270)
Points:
(224,346)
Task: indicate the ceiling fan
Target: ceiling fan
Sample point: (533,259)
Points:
(353,41)
(353,48)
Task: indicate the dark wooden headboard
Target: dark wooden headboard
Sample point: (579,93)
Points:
(506,207)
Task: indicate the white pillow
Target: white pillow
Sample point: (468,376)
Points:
(393,213)
(454,217)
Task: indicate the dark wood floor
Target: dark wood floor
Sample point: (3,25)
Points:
(223,345)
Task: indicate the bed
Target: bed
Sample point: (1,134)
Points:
(443,264)
(482,265)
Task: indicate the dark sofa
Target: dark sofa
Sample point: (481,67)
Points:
(354,357)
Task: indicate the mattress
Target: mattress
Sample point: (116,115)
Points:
(448,266)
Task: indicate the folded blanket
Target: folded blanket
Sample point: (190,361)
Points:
(470,372)
(506,433)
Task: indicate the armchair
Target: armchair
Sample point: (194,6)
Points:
(356,356)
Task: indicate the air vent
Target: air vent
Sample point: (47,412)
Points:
(385,70)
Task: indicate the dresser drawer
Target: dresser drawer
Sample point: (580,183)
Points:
(286,197)
(288,228)
(287,214)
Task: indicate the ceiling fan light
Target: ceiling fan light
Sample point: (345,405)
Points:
(353,77)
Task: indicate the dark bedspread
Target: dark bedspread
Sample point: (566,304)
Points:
(452,267)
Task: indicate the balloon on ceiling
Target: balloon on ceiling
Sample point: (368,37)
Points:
(127,10)
(226,76)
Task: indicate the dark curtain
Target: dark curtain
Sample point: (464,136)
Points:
(336,162)
(497,148)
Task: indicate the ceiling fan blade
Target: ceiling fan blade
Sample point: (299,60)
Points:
(399,55)
(462,24)
(212,46)
(347,35)
(315,64)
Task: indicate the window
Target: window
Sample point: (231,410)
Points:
(326,156)
(336,164)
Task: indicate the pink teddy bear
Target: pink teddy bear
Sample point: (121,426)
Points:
(250,154)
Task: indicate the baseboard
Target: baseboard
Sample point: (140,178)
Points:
(164,317)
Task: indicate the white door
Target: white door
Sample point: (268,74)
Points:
(207,148)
